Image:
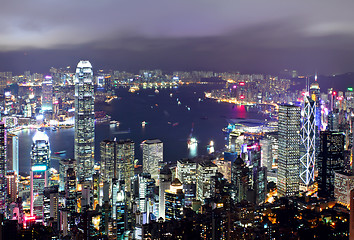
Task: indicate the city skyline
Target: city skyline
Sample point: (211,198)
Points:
(177,120)
(235,36)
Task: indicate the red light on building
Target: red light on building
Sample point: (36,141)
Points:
(334,93)
(30,218)
(242,97)
(242,84)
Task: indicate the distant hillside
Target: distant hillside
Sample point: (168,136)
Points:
(337,82)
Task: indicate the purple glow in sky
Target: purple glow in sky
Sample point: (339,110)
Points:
(235,35)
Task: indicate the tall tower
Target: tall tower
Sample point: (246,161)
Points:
(124,166)
(12,153)
(289,150)
(239,180)
(84,120)
(164,184)
(3,186)
(39,181)
(47,94)
(308,142)
(117,161)
(40,154)
(330,160)
(152,156)
(315,94)
(108,156)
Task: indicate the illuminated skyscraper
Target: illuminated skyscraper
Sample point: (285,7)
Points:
(266,153)
(64,166)
(308,142)
(174,201)
(3,84)
(146,186)
(289,150)
(186,171)
(40,163)
(125,162)
(108,157)
(315,94)
(84,120)
(164,184)
(117,161)
(152,156)
(330,160)
(11,178)
(40,154)
(38,183)
(3,186)
(239,180)
(51,204)
(47,94)
(12,152)
(205,183)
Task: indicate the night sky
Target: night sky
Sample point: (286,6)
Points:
(263,36)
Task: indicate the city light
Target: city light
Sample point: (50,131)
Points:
(39,168)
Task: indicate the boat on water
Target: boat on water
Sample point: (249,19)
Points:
(114,123)
(54,129)
(157,91)
(60,152)
(192,142)
(134,89)
(102,117)
(143,123)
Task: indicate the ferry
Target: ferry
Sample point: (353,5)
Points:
(109,99)
(114,123)
(157,91)
(133,89)
(143,123)
(192,142)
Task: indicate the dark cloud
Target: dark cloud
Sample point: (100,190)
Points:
(260,36)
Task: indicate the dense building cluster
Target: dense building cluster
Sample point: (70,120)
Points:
(289,177)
